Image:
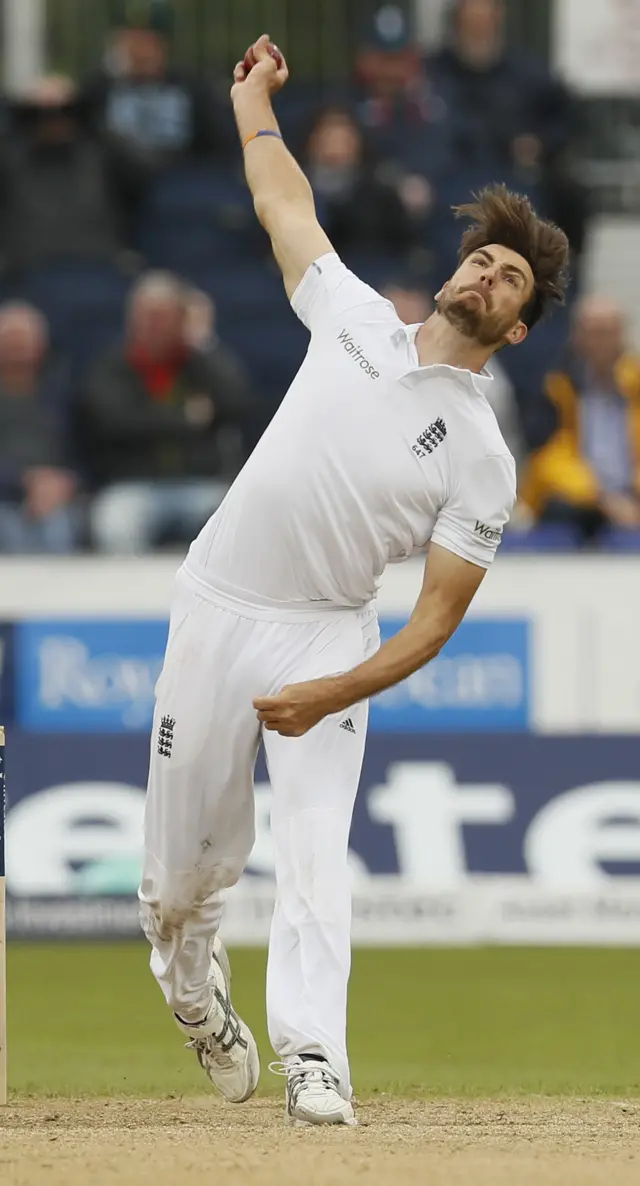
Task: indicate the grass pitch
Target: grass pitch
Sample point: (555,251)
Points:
(88,1020)
(489,1067)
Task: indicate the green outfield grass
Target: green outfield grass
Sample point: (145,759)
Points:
(88,1019)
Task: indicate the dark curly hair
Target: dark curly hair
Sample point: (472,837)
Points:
(499,216)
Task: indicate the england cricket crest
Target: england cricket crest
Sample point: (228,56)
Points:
(165,736)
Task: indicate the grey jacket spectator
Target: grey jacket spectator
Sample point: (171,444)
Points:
(166,424)
(63,194)
(36,486)
(139,97)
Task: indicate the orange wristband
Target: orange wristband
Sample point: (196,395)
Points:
(262,132)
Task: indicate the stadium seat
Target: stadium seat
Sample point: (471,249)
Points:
(618,539)
(83,303)
(196,216)
(547,537)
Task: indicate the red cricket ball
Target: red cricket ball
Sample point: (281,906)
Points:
(250,57)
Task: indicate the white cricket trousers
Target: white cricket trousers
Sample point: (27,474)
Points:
(199,824)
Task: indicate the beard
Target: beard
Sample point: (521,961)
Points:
(473,319)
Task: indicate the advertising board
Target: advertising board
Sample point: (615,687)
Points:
(479,681)
(99,676)
(96,676)
(456,838)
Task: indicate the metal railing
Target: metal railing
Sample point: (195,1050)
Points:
(320,36)
(210,35)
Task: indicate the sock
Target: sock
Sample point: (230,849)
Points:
(192,1024)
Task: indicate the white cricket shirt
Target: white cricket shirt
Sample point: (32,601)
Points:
(369,458)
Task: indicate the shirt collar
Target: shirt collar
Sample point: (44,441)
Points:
(480,381)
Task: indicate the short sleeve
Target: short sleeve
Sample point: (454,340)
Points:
(472,520)
(328,290)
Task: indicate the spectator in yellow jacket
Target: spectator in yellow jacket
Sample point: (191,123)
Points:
(590,469)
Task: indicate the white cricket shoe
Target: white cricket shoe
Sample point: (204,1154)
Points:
(224,1045)
(312,1092)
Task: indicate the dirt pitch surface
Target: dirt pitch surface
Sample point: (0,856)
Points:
(122,1142)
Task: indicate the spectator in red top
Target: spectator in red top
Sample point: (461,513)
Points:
(163,419)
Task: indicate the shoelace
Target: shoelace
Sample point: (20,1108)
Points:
(218,1047)
(208,1047)
(307,1074)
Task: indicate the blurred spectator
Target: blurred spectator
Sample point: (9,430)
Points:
(412,303)
(200,321)
(589,473)
(506,114)
(140,97)
(398,108)
(504,109)
(37,490)
(156,415)
(359,208)
(201,334)
(414,306)
(63,195)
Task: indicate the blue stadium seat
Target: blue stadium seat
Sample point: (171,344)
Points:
(271,342)
(618,539)
(198,191)
(543,351)
(197,215)
(83,302)
(183,249)
(547,537)
(375,268)
(297,106)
